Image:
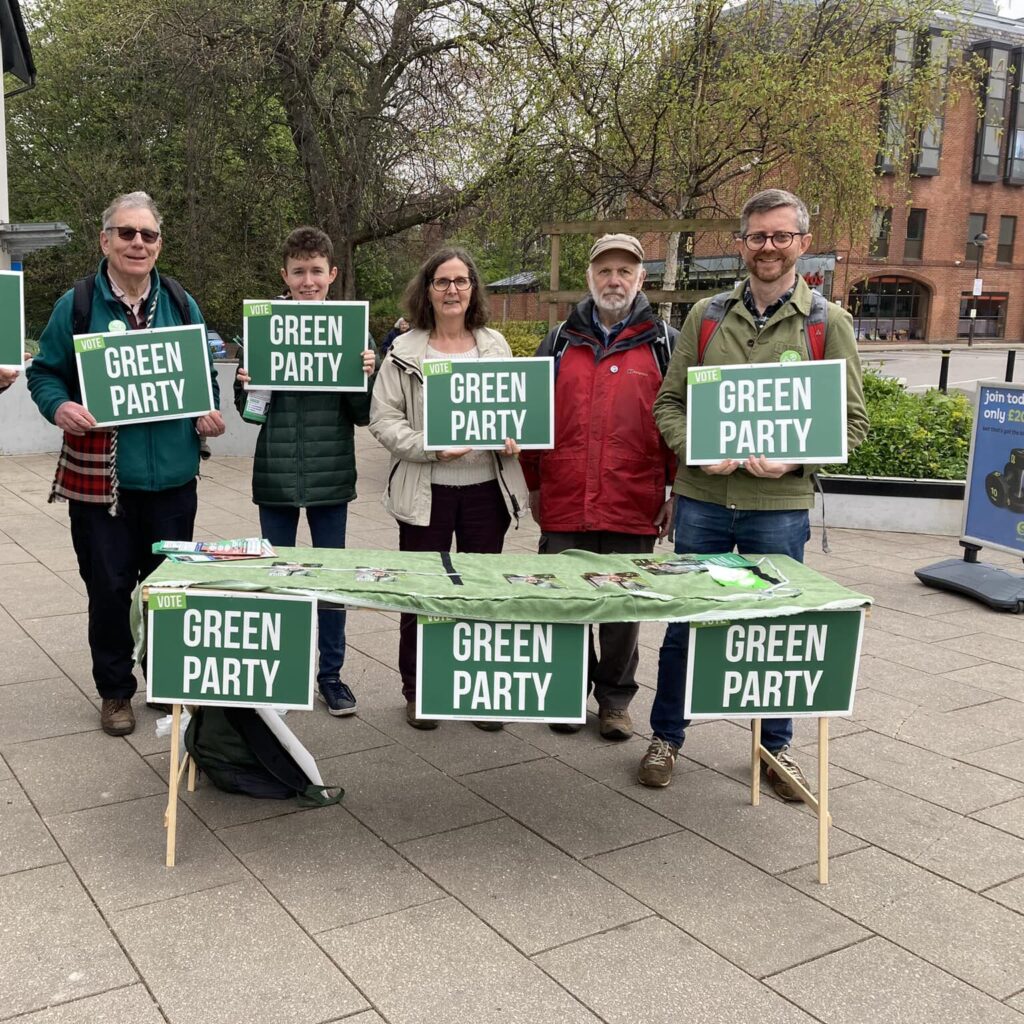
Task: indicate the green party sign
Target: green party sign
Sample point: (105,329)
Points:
(787,412)
(794,666)
(305,346)
(12,320)
(477,403)
(231,649)
(162,373)
(508,671)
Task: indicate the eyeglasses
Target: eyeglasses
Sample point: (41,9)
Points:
(127,234)
(780,239)
(442,284)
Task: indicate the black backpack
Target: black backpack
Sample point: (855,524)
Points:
(81,306)
(238,752)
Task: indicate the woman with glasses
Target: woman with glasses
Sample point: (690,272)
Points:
(458,493)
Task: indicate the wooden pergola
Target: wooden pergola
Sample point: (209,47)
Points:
(632,227)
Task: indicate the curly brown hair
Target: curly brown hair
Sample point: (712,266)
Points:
(417,292)
(306,242)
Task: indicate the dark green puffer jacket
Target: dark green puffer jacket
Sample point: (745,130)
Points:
(305,452)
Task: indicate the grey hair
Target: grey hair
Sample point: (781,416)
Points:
(772,199)
(131,201)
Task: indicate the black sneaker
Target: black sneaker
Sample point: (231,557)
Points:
(340,700)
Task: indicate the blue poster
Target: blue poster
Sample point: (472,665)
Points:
(994,510)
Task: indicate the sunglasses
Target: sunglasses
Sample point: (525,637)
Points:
(127,234)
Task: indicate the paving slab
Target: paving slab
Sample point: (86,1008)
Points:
(118,852)
(934,777)
(773,836)
(527,890)
(230,955)
(1009,817)
(568,809)
(54,946)
(1006,759)
(958,848)
(438,964)
(938,692)
(990,678)
(32,590)
(1009,894)
(327,869)
(398,796)
(725,902)
(323,735)
(877,981)
(965,730)
(24,660)
(662,976)
(130,1005)
(69,773)
(920,912)
(43,708)
(26,841)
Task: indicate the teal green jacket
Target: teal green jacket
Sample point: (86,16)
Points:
(305,452)
(737,340)
(150,456)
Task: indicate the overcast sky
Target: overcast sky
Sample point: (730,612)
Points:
(1011,8)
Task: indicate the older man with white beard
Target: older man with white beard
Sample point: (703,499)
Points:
(604,487)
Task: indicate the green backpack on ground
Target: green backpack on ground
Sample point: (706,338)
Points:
(237,751)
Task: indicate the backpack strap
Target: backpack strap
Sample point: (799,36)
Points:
(816,325)
(714,314)
(179,297)
(81,304)
(662,347)
(559,345)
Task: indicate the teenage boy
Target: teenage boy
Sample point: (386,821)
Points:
(305,455)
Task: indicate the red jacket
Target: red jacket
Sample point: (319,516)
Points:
(609,467)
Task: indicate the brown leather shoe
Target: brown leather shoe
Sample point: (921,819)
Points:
(614,724)
(117,717)
(418,723)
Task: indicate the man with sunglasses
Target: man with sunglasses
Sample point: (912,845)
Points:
(129,486)
(758,506)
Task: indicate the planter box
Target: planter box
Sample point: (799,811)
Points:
(892,504)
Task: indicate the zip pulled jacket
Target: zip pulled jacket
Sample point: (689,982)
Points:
(610,467)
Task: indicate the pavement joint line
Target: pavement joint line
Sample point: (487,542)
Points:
(821,956)
(25,1014)
(445,895)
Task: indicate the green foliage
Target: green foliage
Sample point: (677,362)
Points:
(926,436)
(523,336)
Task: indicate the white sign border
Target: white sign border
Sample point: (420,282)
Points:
(781,713)
(234,595)
(303,387)
(475,716)
(504,360)
(734,367)
(140,334)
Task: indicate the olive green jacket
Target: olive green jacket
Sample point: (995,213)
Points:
(737,340)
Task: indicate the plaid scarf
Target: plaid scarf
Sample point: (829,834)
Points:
(87,464)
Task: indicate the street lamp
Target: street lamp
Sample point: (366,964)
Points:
(979,245)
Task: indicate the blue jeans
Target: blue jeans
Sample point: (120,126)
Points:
(327,523)
(706,529)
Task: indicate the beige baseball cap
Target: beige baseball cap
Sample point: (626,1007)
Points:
(624,243)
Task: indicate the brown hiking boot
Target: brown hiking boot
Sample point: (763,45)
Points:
(657,764)
(117,717)
(418,723)
(783,790)
(614,723)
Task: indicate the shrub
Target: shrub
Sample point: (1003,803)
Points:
(523,336)
(926,436)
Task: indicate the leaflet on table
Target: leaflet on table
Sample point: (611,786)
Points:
(214,550)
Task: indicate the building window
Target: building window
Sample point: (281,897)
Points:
(881,226)
(991,319)
(1007,231)
(933,50)
(975,226)
(894,133)
(991,121)
(914,245)
(888,309)
(1014,173)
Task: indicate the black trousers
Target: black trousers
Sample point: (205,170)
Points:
(613,674)
(114,554)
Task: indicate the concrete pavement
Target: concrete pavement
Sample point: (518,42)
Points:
(516,876)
